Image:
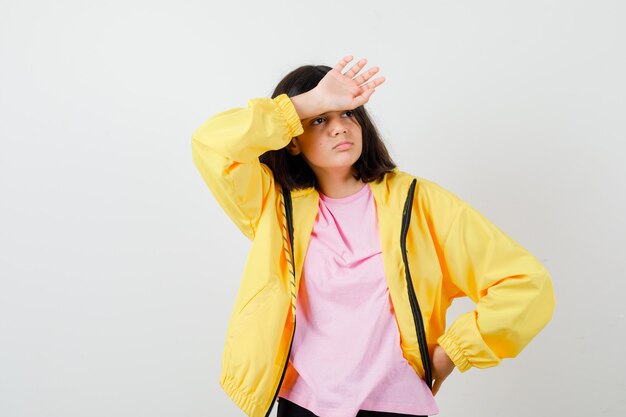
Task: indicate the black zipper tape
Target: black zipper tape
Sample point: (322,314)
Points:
(415,308)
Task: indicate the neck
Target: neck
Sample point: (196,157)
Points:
(338,185)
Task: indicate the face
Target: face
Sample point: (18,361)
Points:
(330,142)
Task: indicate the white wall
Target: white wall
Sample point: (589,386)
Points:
(118,269)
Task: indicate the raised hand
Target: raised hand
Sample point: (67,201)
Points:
(347,91)
(339,90)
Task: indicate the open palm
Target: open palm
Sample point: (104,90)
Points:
(347,91)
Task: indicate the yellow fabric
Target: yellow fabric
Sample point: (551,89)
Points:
(453,251)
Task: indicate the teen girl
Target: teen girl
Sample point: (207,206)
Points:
(364,257)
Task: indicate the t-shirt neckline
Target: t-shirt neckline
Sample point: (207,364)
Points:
(348,199)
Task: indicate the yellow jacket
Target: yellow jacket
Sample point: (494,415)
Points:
(451,251)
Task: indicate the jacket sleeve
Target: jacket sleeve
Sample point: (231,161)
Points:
(513,292)
(226,150)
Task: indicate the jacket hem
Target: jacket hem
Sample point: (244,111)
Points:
(242,399)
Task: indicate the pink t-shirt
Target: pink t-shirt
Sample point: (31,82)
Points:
(346,352)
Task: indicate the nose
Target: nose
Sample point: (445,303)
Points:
(337,128)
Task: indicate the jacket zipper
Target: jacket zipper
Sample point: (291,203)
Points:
(289,216)
(415,308)
(282,377)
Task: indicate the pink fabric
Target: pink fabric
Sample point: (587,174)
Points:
(346,351)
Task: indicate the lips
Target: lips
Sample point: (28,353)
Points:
(343,145)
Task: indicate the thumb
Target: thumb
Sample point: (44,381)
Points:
(368,93)
(363,98)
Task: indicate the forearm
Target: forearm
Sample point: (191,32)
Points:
(512,290)
(244,134)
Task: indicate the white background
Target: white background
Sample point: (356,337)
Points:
(118,270)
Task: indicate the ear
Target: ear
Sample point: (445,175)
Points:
(293,147)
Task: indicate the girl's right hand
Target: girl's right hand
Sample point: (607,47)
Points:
(339,91)
(347,91)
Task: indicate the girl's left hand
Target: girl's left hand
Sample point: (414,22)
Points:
(442,366)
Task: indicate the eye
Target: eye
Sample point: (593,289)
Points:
(317,121)
(348,113)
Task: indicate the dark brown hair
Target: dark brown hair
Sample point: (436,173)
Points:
(292,171)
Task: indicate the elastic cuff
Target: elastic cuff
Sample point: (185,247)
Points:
(454,352)
(289,111)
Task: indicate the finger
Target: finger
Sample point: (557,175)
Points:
(374,83)
(436,386)
(356,68)
(342,64)
(366,75)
